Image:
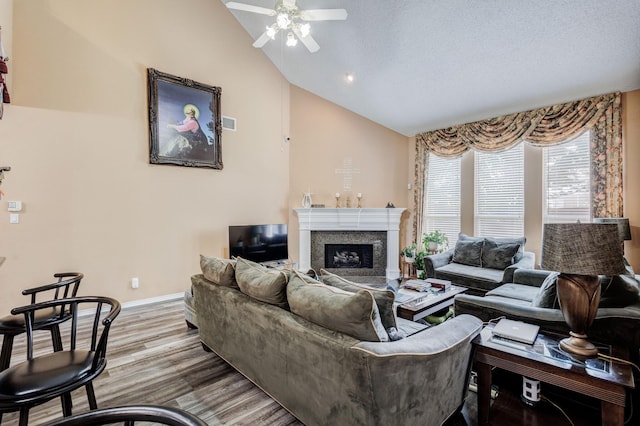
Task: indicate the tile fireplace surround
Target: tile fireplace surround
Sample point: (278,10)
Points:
(325,219)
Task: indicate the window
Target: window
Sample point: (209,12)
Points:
(442,197)
(567,181)
(499,193)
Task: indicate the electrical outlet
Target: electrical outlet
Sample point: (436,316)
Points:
(135,282)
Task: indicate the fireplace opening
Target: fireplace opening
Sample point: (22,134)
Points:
(352,256)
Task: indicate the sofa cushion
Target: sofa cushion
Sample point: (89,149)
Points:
(354,314)
(498,255)
(261,283)
(474,277)
(515,291)
(219,271)
(385,299)
(468,252)
(547,296)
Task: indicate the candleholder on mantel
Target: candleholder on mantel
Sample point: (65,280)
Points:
(337,200)
(359,196)
(306,200)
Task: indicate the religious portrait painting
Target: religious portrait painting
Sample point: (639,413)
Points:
(184,121)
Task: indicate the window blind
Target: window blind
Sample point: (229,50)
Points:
(567,181)
(499,191)
(442,197)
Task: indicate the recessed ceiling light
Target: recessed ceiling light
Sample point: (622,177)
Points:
(349,77)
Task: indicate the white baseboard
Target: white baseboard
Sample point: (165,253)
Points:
(142,302)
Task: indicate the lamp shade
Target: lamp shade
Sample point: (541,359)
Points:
(623,225)
(582,248)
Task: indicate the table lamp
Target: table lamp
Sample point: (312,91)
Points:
(581,252)
(624,230)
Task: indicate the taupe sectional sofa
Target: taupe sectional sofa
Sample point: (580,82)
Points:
(321,352)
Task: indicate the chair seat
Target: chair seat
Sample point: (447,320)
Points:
(16,322)
(45,373)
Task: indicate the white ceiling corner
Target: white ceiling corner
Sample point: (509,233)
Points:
(427,64)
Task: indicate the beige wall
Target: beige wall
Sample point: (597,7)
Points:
(77,141)
(631,123)
(323,135)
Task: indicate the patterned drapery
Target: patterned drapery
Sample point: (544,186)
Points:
(540,127)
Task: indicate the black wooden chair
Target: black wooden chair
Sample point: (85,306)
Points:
(56,373)
(128,415)
(13,325)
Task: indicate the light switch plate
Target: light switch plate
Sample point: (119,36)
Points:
(14,218)
(14,206)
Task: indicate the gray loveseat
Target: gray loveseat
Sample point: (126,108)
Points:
(480,263)
(321,375)
(532,298)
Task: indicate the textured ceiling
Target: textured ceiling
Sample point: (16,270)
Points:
(427,64)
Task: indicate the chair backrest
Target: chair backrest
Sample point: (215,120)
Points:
(66,286)
(87,309)
(130,414)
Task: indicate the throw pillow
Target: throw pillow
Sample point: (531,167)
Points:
(264,284)
(498,255)
(468,252)
(219,271)
(547,296)
(384,298)
(618,291)
(520,240)
(354,314)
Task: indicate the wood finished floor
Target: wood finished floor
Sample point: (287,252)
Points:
(155,359)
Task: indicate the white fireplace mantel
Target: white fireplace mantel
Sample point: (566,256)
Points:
(324,219)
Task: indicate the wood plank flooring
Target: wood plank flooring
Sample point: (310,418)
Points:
(154,359)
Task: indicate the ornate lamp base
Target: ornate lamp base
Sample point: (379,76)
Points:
(579,296)
(578,344)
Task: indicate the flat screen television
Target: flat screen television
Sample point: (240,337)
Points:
(259,243)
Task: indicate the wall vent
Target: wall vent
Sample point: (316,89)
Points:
(229,123)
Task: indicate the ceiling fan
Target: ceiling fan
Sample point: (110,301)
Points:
(288,16)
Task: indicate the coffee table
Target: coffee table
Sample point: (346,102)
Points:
(426,303)
(545,361)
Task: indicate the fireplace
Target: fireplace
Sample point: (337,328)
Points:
(350,253)
(348,256)
(378,228)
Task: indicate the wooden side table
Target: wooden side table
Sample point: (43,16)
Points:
(544,361)
(408,270)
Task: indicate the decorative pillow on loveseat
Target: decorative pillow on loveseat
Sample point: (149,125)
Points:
(468,252)
(618,291)
(219,271)
(354,314)
(497,255)
(261,283)
(384,298)
(547,296)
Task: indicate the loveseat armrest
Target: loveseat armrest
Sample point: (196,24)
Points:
(532,277)
(528,261)
(435,261)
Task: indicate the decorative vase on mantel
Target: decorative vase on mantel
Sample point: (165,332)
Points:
(306,200)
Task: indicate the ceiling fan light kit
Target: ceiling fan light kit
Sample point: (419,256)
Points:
(288,16)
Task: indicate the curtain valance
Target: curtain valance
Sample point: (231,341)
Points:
(543,126)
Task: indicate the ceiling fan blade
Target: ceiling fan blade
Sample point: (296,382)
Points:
(262,40)
(251,8)
(323,15)
(308,41)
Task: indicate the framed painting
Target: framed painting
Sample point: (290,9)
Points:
(184,121)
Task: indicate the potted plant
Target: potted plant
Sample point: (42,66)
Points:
(435,242)
(409,253)
(420,269)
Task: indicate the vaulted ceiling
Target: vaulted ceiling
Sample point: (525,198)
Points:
(421,65)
